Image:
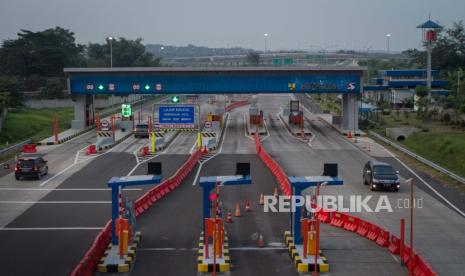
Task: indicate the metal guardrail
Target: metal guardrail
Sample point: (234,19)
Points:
(419,158)
(14,148)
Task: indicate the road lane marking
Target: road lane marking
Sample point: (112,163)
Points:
(66,189)
(53,202)
(48,228)
(56,175)
(271,248)
(197,174)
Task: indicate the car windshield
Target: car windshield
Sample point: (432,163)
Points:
(142,126)
(29,163)
(383,170)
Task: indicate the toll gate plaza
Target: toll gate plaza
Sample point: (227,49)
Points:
(182,183)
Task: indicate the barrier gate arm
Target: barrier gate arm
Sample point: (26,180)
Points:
(115,184)
(298,185)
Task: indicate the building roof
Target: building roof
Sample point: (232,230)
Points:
(429,25)
(407,73)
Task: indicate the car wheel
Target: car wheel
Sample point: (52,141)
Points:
(396,189)
(371,187)
(17,177)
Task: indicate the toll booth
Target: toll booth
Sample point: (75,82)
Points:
(303,237)
(255,117)
(213,243)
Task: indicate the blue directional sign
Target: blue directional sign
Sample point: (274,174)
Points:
(176,114)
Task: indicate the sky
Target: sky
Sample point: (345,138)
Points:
(290,24)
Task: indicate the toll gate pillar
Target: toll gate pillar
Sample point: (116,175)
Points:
(349,113)
(83,111)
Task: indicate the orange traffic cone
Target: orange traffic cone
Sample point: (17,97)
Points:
(261,242)
(247,206)
(276,192)
(349,135)
(229,218)
(238,210)
(262,199)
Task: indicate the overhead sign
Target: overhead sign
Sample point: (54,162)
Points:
(173,115)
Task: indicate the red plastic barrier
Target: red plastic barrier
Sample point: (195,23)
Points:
(394,246)
(338,219)
(406,255)
(383,238)
(235,105)
(323,216)
(92,149)
(362,229)
(273,167)
(373,231)
(351,223)
(29,148)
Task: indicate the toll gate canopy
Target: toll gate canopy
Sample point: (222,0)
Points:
(84,83)
(187,80)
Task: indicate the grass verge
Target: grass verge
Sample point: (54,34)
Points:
(24,123)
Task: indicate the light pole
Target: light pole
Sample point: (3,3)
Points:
(110,41)
(388,40)
(266,37)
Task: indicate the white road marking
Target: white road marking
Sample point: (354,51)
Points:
(66,189)
(48,228)
(53,202)
(56,175)
(231,248)
(197,174)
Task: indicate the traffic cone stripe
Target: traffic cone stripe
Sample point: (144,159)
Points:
(238,210)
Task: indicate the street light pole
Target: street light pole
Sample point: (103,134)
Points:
(110,40)
(266,37)
(388,37)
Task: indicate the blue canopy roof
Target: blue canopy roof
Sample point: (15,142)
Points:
(429,25)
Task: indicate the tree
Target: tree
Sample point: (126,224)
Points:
(10,94)
(43,53)
(53,89)
(126,53)
(253,58)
